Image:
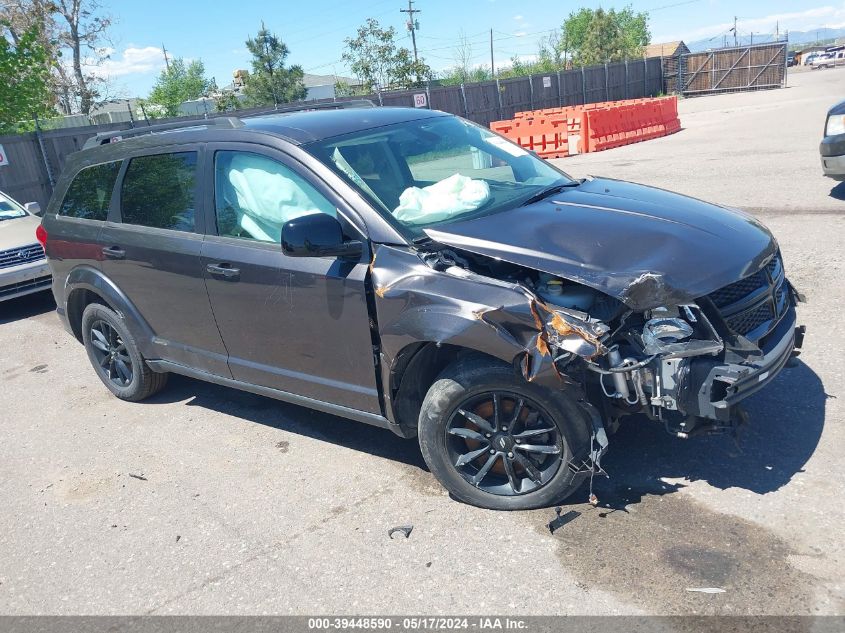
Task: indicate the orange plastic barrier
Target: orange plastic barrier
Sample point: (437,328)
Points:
(561,132)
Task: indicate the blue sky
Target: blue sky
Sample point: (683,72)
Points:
(314,31)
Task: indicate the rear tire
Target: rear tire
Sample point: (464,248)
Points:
(504,461)
(114,355)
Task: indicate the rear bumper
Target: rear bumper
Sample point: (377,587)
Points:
(17,281)
(713,388)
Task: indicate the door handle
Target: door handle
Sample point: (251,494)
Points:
(114,252)
(224,270)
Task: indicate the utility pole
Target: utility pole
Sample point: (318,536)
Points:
(412,24)
(166,60)
(734,30)
(777,30)
(752,38)
(492,65)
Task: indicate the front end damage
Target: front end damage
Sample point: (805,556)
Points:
(686,364)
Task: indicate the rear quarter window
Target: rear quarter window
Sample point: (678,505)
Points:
(89,195)
(158,191)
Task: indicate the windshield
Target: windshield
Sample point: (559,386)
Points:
(434,171)
(9,209)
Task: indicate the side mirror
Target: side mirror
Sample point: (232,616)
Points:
(317,235)
(33,207)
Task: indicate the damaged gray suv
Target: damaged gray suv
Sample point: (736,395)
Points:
(409,269)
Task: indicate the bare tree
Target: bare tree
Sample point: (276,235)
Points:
(17,16)
(74,26)
(463,56)
(86,35)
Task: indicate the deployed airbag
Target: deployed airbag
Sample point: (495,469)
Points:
(269,194)
(453,195)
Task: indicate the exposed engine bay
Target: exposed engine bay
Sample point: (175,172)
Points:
(677,364)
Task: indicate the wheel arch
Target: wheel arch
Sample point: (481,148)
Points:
(86,285)
(414,370)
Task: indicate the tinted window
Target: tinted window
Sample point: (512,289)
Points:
(89,195)
(158,191)
(256,195)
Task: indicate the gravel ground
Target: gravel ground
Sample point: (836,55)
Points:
(208,501)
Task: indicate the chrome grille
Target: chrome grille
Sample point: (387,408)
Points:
(21,255)
(753,305)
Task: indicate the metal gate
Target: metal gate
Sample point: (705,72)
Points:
(731,69)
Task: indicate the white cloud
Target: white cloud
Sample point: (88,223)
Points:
(830,16)
(518,18)
(132,61)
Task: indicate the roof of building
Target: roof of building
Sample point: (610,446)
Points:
(312,81)
(665,49)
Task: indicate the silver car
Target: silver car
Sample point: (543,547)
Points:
(23,267)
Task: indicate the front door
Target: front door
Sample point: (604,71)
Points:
(300,325)
(152,247)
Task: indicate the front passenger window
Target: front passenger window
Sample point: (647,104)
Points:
(255,195)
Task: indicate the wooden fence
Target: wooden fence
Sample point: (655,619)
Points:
(36,159)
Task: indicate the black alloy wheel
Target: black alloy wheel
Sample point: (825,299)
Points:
(503,443)
(111,354)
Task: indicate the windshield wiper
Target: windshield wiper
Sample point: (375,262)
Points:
(550,191)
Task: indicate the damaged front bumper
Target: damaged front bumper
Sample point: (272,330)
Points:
(703,391)
(712,387)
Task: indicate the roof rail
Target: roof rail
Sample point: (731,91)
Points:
(324,105)
(117,135)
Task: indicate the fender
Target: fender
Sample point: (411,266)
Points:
(417,304)
(94,280)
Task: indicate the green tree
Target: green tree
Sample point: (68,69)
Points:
(24,80)
(597,36)
(226,102)
(379,63)
(573,32)
(176,84)
(270,82)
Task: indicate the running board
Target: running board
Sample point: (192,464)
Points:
(373,419)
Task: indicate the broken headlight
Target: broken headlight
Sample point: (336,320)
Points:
(663,331)
(672,336)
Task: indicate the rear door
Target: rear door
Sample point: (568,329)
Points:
(300,325)
(152,248)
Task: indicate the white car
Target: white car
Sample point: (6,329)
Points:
(23,267)
(827,60)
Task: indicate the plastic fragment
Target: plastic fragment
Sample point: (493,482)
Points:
(404,529)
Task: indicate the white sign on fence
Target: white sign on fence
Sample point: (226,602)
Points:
(4,160)
(547,82)
(420,101)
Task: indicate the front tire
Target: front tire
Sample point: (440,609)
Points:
(114,355)
(496,441)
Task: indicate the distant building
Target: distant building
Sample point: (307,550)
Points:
(666,49)
(322,86)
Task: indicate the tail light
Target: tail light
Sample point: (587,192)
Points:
(41,236)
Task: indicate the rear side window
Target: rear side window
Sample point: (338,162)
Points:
(159,191)
(89,195)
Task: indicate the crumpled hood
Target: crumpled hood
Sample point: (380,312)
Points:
(644,246)
(18,232)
